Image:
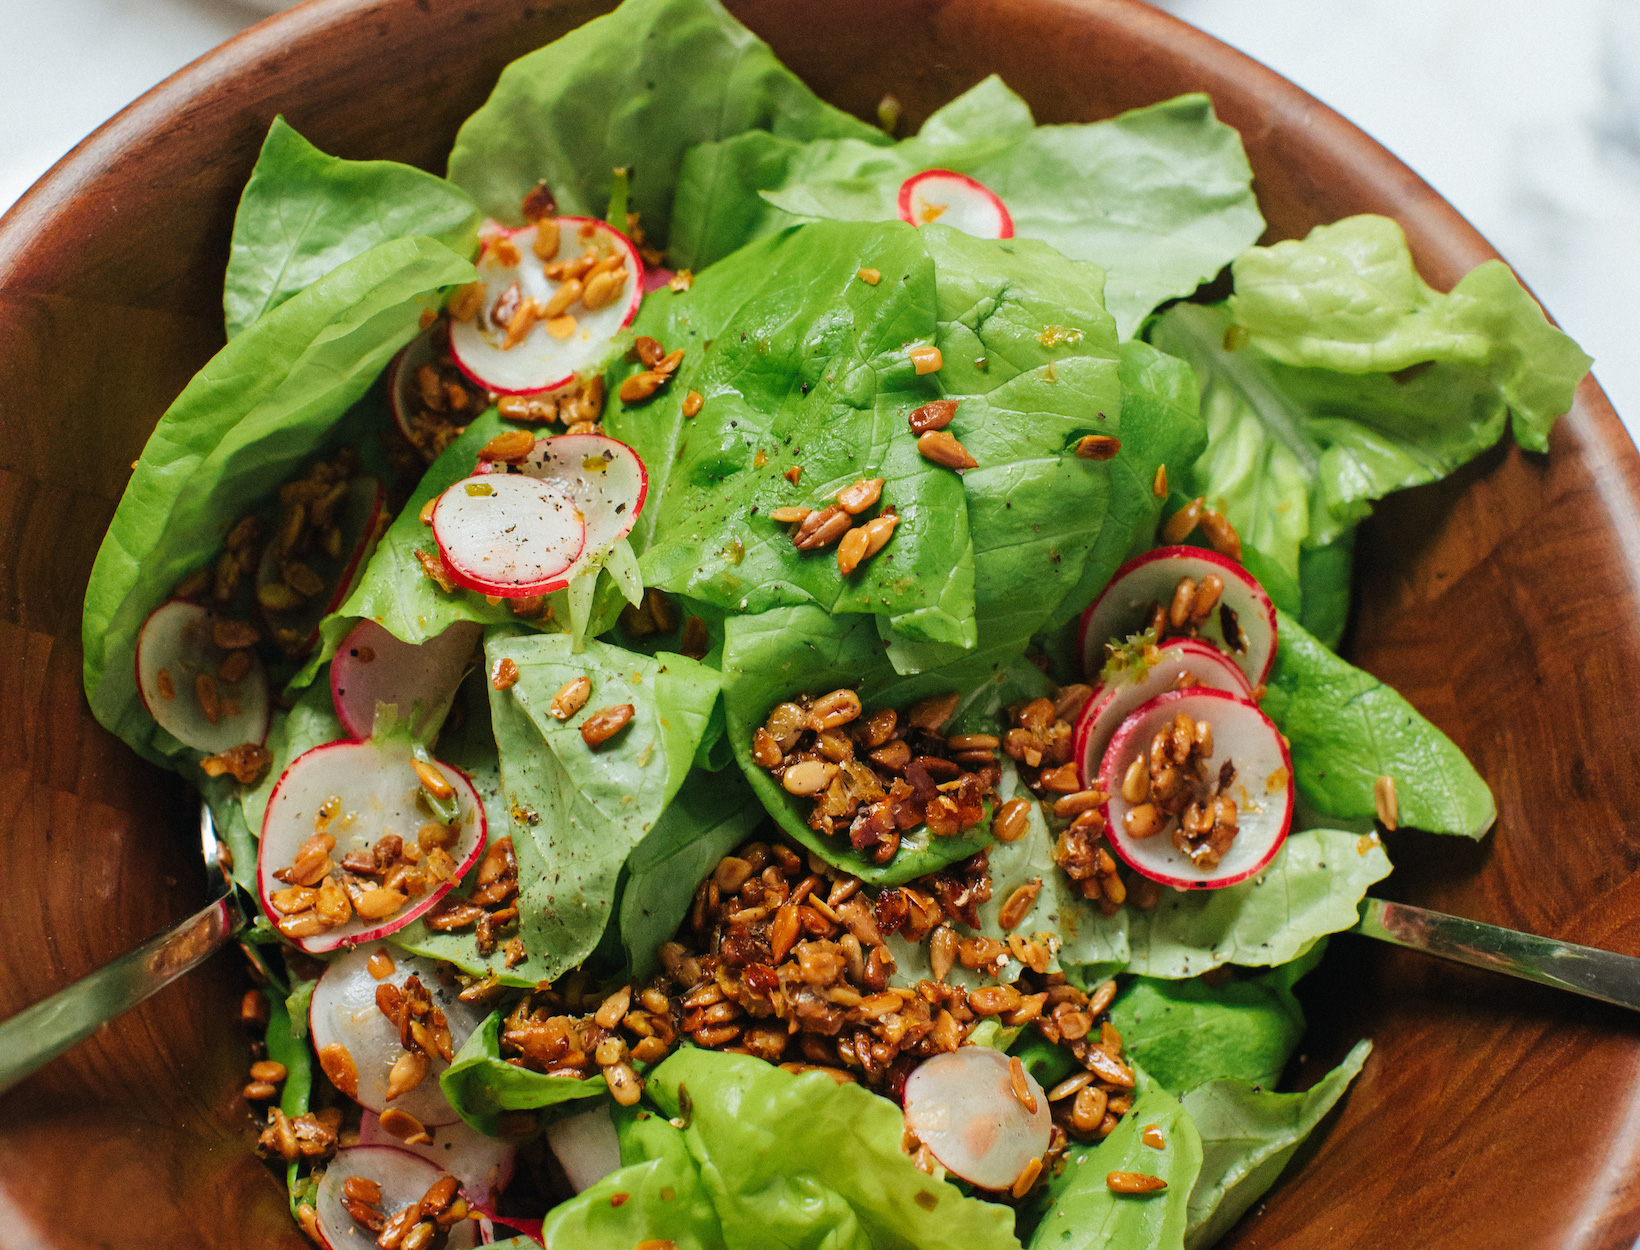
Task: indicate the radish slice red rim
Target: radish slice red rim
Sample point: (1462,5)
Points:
(1246,764)
(404,1179)
(586,1146)
(358,524)
(482,1164)
(422,393)
(604,478)
(1182,662)
(508,534)
(963,1107)
(344,1012)
(372,666)
(175,648)
(496,351)
(1242,624)
(955,200)
(362,796)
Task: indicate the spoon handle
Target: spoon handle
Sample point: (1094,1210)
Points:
(1585,970)
(40,1033)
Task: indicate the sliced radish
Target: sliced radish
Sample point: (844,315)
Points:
(955,200)
(374,790)
(508,534)
(587,1146)
(359,522)
(1184,662)
(426,427)
(539,360)
(403,1177)
(602,476)
(175,649)
(344,1012)
(1123,608)
(1262,790)
(655,277)
(482,1164)
(372,666)
(963,1107)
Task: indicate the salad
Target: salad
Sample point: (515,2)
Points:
(773,682)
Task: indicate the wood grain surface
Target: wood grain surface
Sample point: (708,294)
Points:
(1505,603)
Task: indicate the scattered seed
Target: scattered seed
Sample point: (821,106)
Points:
(692,402)
(1098,447)
(1385,802)
(1183,523)
(925,357)
(821,529)
(404,1126)
(1221,534)
(505,675)
(1159,486)
(1028,1174)
(381,963)
(871,277)
(1152,1137)
(210,700)
(602,289)
(935,415)
(852,549)
(269,1070)
(167,688)
(789,514)
(508,447)
(682,280)
(808,777)
(1019,904)
(1011,821)
(1134,1183)
(337,1062)
(433,568)
(943,449)
(433,781)
(571,697)
(793,473)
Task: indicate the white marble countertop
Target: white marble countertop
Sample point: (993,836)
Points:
(1525,115)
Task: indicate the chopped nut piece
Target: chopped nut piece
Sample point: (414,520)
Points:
(505,675)
(248,763)
(682,280)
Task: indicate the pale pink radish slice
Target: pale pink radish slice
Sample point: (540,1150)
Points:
(955,200)
(482,1164)
(174,649)
(655,277)
(508,534)
(1184,662)
(344,1012)
(378,791)
(405,397)
(587,1146)
(1263,788)
(506,1227)
(372,666)
(540,360)
(359,522)
(963,1107)
(403,1177)
(1243,626)
(603,477)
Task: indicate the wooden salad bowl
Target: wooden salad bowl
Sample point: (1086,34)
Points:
(1505,603)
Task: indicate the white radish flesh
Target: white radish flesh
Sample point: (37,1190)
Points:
(539,359)
(403,1177)
(358,519)
(963,1107)
(955,200)
(174,649)
(508,534)
(379,794)
(1124,608)
(1183,662)
(586,1145)
(372,666)
(603,477)
(482,1164)
(344,1012)
(1263,789)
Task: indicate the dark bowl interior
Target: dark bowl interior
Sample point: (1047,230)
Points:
(1505,603)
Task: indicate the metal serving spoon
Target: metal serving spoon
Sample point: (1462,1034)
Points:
(42,1032)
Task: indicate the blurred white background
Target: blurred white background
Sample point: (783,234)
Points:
(1525,114)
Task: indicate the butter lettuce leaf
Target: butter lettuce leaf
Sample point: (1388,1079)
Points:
(480,1084)
(304,212)
(1083,1213)
(1247,1137)
(633,88)
(801,1161)
(576,814)
(1347,729)
(261,406)
(803,367)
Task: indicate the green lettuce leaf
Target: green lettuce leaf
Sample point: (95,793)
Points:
(804,1162)
(711,814)
(1312,888)
(262,405)
(1085,1214)
(1347,729)
(1160,197)
(801,364)
(1247,1137)
(1347,297)
(480,1084)
(1324,580)
(577,813)
(634,88)
(303,213)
